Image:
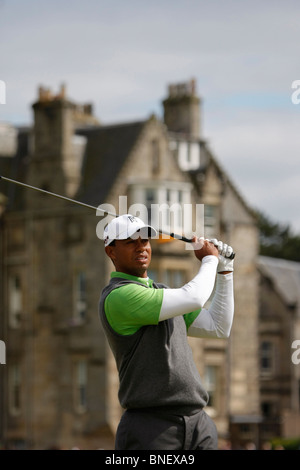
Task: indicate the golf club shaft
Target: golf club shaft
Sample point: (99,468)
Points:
(49,193)
(52,194)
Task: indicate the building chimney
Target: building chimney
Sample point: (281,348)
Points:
(182,109)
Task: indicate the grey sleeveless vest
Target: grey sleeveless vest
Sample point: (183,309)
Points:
(155,364)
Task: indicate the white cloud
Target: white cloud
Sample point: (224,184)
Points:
(259,150)
(121,55)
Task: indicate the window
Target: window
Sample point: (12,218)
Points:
(150,199)
(15,300)
(153,274)
(210,381)
(267,409)
(211,221)
(78,149)
(80,386)
(174,277)
(80,304)
(155,156)
(15,389)
(168,196)
(46,186)
(2,352)
(16,237)
(74,230)
(266,357)
(167,205)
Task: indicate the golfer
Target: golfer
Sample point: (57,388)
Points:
(147,325)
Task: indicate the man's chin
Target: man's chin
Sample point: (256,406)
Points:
(142,263)
(141,269)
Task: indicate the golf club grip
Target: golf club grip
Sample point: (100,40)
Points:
(189,240)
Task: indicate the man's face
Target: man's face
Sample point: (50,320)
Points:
(131,256)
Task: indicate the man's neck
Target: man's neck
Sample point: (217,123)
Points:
(137,273)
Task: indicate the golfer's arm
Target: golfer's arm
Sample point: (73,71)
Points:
(216,321)
(192,295)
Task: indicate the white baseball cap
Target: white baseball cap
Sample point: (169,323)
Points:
(127,226)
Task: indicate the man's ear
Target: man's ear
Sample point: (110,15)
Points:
(109,250)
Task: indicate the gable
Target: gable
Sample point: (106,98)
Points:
(215,187)
(151,159)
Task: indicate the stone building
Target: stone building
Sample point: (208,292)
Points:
(279,347)
(59,386)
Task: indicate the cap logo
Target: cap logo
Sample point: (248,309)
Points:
(132,219)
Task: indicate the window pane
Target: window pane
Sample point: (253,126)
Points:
(210,381)
(153,274)
(155,156)
(174,277)
(210,221)
(178,278)
(149,200)
(80,386)
(15,389)
(80,295)
(15,299)
(266,356)
(167,205)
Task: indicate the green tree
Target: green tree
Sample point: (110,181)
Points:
(277,240)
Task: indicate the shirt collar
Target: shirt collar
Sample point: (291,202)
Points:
(143,280)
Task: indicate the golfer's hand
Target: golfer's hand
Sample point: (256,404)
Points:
(204,248)
(225,251)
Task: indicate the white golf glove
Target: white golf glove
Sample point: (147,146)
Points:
(225,251)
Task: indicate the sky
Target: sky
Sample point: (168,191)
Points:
(122,55)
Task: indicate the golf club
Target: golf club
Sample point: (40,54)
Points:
(49,193)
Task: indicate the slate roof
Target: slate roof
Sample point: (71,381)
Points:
(106,152)
(285,276)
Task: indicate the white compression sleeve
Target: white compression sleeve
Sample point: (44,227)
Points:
(216,321)
(192,295)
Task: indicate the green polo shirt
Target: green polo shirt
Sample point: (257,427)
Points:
(132,306)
